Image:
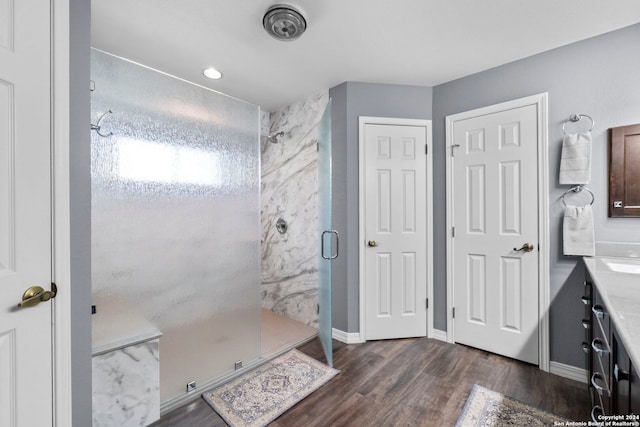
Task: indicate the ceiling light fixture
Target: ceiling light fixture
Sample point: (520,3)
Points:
(212,73)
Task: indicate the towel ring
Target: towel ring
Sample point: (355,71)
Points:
(577,189)
(576,118)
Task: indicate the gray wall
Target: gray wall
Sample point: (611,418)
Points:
(598,77)
(349,101)
(80,201)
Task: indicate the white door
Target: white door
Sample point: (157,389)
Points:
(25,213)
(395,231)
(495,215)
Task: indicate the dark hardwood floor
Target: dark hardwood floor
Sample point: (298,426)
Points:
(409,382)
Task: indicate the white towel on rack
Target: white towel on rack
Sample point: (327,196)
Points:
(575,162)
(578,231)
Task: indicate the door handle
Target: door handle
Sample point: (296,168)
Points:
(372,243)
(36,294)
(527,247)
(330,257)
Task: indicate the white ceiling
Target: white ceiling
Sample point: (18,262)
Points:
(416,42)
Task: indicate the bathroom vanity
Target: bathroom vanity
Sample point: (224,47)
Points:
(612,330)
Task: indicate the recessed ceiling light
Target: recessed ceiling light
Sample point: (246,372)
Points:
(212,73)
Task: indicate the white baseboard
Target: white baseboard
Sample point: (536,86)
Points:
(568,371)
(354,337)
(347,337)
(438,334)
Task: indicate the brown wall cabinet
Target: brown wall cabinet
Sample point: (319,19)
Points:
(624,171)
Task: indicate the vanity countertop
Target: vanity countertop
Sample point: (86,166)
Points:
(620,292)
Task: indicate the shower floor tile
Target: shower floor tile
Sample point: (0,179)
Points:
(279,333)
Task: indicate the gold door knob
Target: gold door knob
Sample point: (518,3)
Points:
(372,243)
(36,294)
(527,247)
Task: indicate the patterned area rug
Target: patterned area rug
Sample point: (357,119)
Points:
(260,396)
(485,407)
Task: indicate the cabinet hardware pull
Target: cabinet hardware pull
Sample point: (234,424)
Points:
(599,388)
(598,311)
(596,344)
(619,374)
(595,417)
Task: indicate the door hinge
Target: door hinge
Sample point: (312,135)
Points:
(453,232)
(453,312)
(426,148)
(453,147)
(427,303)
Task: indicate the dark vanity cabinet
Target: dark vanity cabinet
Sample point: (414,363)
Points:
(613,382)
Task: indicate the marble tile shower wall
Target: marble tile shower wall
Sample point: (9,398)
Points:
(289,190)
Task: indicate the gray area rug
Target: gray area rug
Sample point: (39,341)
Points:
(485,407)
(261,395)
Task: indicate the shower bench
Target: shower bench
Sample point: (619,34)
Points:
(125,366)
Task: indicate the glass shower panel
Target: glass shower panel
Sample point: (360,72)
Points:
(176,217)
(328,236)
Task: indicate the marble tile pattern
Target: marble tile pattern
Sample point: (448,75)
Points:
(126,386)
(289,190)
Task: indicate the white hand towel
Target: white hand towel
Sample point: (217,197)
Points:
(578,231)
(575,161)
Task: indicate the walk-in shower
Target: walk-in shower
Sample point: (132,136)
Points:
(175,222)
(178,275)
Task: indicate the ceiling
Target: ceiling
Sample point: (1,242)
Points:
(415,42)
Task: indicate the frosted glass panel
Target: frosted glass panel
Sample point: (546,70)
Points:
(176,217)
(325,222)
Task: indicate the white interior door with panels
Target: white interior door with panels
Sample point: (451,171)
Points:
(495,224)
(395,227)
(26,379)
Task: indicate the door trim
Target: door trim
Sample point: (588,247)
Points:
(540,101)
(362,122)
(60,199)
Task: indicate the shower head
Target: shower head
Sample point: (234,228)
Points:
(284,22)
(274,138)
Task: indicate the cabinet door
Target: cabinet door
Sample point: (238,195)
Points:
(634,397)
(620,385)
(624,174)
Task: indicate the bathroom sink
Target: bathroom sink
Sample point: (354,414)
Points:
(623,265)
